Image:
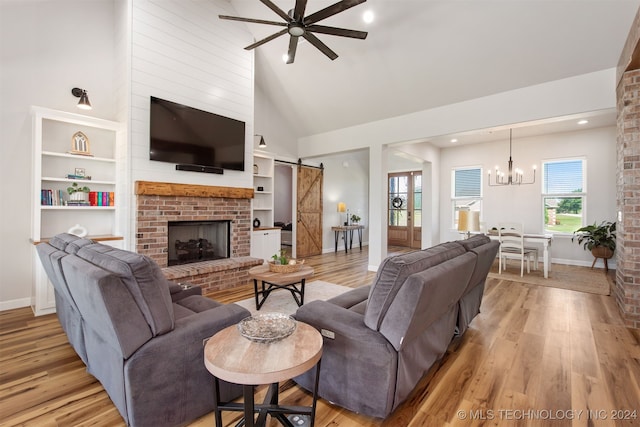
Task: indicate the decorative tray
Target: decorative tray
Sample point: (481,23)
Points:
(267,327)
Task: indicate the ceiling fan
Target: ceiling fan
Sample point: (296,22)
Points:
(297,25)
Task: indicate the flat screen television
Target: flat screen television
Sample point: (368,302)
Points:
(187,136)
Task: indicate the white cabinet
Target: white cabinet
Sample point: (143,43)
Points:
(265,243)
(73,149)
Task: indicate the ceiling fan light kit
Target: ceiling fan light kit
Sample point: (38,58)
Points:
(297,25)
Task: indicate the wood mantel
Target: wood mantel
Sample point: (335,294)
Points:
(149,188)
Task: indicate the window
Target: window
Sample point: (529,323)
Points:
(466,191)
(563,195)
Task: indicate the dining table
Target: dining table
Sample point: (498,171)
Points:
(544,239)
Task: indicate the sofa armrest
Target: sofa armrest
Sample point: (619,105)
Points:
(179,291)
(168,374)
(335,322)
(359,366)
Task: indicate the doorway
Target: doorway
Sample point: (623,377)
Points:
(284,206)
(404,209)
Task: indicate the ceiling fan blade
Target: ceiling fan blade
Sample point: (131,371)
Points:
(255,21)
(298,11)
(293,46)
(267,39)
(276,9)
(334,31)
(321,46)
(331,10)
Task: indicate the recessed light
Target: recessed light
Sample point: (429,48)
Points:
(368,16)
(583,122)
(453,141)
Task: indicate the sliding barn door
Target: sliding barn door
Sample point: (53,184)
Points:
(309,204)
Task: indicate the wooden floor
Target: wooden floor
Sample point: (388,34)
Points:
(535,356)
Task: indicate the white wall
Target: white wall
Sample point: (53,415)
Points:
(47,49)
(524,203)
(279,135)
(346,179)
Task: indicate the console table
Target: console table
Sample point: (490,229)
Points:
(347,231)
(231,357)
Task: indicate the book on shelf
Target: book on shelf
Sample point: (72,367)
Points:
(79,177)
(78,203)
(101,198)
(51,197)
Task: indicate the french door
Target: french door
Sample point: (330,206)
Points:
(404,209)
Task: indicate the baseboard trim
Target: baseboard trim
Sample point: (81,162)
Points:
(15,303)
(579,263)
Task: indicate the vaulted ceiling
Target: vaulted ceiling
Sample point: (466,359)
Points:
(422,54)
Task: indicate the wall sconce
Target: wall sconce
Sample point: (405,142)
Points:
(84,103)
(262,144)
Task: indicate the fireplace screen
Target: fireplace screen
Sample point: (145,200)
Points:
(196,241)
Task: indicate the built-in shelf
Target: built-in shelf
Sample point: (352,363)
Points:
(84,182)
(265,239)
(54,135)
(77,157)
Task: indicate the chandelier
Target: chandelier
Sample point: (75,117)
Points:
(512,176)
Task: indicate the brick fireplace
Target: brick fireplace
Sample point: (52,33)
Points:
(158,203)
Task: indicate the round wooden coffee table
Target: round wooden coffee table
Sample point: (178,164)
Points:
(231,357)
(275,281)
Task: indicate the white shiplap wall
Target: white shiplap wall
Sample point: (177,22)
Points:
(181,51)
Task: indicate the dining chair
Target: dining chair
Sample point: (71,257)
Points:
(511,236)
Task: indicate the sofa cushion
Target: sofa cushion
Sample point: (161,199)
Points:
(60,241)
(353,298)
(198,303)
(74,247)
(474,241)
(143,278)
(108,312)
(425,297)
(393,272)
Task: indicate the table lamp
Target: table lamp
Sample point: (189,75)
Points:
(468,221)
(342,208)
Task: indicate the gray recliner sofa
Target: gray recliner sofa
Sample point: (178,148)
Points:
(380,340)
(140,335)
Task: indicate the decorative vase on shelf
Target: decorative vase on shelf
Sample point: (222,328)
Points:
(78,230)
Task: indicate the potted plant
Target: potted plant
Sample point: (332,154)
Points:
(599,239)
(78,193)
(355,219)
(280,258)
